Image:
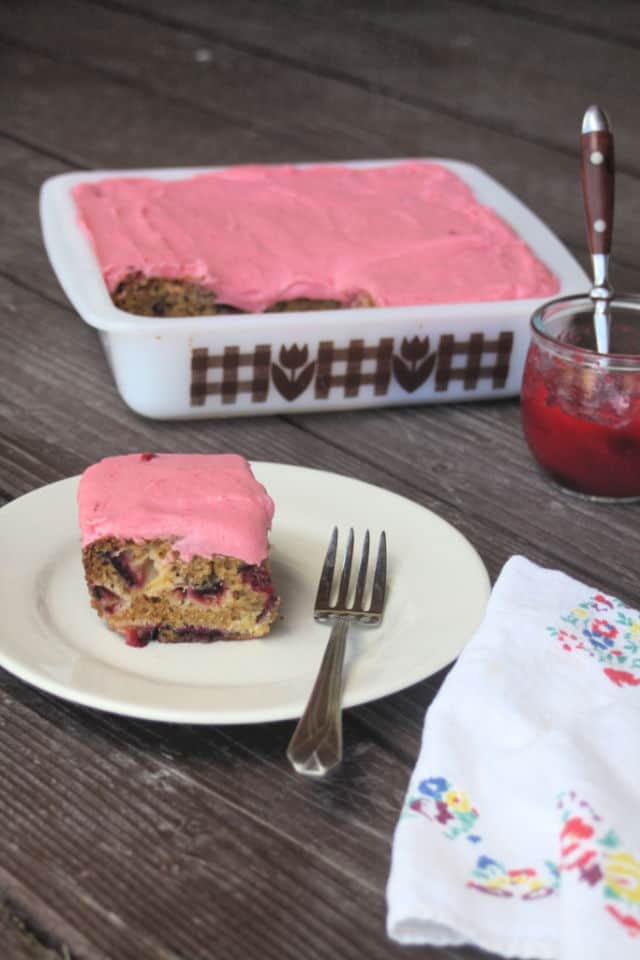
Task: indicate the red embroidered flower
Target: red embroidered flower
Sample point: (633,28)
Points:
(603,628)
(591,874)
(628,922)
(576,827)
(443,812)
(574,830)
(621,678)
(601,601)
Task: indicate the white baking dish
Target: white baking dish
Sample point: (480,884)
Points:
(246,364)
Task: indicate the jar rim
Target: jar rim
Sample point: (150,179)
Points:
(624,300)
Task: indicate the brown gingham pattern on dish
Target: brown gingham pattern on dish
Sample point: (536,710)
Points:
(292,370)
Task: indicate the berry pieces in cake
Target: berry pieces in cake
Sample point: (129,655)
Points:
(175,547)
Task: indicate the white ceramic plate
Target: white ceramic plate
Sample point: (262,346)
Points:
(51,637)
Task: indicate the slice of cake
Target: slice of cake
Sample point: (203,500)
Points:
(175,547)
(264,239)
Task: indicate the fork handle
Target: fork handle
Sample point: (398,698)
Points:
(316,745)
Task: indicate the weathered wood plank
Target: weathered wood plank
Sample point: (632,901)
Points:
(131,128)
(17,942)
(192,854)
(449,54)
(618,23)
(22,253)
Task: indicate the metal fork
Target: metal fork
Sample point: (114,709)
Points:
(316,745)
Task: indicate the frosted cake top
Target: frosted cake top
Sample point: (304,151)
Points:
(207,503)
(409,233)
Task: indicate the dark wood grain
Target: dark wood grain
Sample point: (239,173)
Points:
(447,55)
(126,839)
(18,942)
(618,23)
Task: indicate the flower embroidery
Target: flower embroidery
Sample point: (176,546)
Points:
(607,631)
(457,800)
(439,801)
(597,637)
(600,861)
(600,602)
(492,877)
(622,678)
(572,837)
(434,786)
(593,853)
(622,877)
(603,628)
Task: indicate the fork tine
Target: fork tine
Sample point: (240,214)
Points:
(346,573)
(324,587)
(379,577)
(362,573)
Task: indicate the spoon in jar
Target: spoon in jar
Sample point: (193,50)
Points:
(597,175)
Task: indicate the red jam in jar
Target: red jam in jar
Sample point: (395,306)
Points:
(581,409)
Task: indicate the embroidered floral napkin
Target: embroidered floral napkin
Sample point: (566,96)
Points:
(520,831)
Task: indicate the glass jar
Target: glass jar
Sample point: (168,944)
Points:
(581,409)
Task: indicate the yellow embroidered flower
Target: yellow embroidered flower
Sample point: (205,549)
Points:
(498,882)
(622,874)
(634,629)
(518,879)
(579,612)
(457,800)
(534,884)
(524,878)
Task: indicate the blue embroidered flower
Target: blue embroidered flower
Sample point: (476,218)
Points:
(598,640)
(434,786)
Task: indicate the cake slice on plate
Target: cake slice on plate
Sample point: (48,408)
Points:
(175,547)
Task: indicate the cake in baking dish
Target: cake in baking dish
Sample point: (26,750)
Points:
(175,547)
(277,238)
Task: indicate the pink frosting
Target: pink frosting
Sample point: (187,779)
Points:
(207,503)
(412,233)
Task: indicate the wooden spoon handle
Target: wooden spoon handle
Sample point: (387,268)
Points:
(597,173)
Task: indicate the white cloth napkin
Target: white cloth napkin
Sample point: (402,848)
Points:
(520,832)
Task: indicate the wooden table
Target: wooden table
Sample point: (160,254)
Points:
(129,839)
